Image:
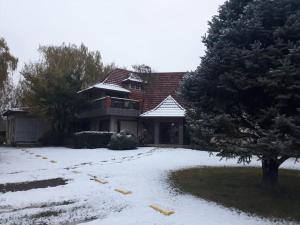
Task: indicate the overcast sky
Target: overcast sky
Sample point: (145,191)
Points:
(165,34)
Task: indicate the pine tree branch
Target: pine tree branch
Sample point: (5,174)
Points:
(283,159)
(252,126)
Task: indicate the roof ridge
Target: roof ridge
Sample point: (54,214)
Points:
(131,71)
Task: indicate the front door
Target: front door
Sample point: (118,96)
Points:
(168,133)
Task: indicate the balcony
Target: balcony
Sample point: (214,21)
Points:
(112,106)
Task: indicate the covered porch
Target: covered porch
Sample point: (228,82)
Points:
(164,124)
(165,131)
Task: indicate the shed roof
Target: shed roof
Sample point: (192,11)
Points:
(14,111)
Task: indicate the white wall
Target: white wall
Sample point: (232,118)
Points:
(129,125)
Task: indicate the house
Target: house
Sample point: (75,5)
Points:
(145,104)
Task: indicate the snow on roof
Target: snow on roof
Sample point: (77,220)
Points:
(126,99)
(133,77)
(167,108)
(106,86)
(15,110)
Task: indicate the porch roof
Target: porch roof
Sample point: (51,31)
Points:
(169,107)
(106,86)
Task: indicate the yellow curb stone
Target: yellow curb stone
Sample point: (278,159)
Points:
(162,211)
(124,192)
(100,181)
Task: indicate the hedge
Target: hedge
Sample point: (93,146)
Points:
(91,139)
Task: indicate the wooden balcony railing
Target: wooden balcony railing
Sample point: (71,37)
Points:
(112,106)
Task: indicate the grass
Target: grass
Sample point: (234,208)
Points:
(239,188)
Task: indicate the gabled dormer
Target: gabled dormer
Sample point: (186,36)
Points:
(133,82)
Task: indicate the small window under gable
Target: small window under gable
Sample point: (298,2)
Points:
(133,82)
(135,85)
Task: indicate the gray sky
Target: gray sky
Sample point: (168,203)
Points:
(165,34)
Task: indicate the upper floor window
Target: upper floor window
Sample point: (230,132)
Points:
(135,85)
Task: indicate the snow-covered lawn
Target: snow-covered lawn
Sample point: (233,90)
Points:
(84,201)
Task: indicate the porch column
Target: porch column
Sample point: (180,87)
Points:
(112,124)
(156,132)
(180,132)
(94,124)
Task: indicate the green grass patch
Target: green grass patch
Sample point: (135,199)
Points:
(239,188)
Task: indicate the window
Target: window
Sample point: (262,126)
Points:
(135,85)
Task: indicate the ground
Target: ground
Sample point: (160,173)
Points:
(240,188)
(77,198)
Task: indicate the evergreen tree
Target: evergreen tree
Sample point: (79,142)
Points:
(50,86)
(245,95)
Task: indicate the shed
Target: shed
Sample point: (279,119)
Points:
(23,127)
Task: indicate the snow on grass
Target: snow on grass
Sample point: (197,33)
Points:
(143,171)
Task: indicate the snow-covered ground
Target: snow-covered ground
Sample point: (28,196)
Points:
(83,201)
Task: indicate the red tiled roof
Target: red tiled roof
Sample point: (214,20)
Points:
(116,76)
(160,86)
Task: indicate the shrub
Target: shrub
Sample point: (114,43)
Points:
(123,141)
(2,139)
(91,139)
(52,138)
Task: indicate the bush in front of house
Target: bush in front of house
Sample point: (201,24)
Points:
(91,139)
(52,138)
(2,139)
(124,140)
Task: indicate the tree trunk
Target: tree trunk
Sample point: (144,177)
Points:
(270,172)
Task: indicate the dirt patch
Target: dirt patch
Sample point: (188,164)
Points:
(24,186)
(47,214)
(10,208)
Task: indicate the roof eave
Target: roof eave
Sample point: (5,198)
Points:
(163,116)
(90,88)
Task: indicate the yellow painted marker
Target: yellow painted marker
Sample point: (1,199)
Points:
(100,181)
(53,161)
(162,211)
(124,192)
